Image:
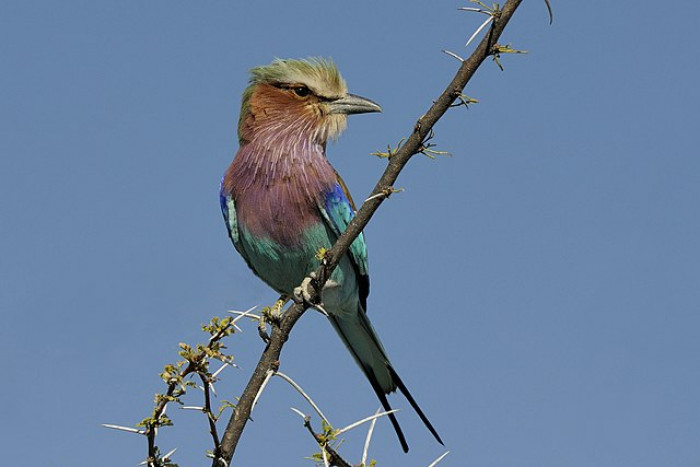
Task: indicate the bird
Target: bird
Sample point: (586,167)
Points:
(283,202)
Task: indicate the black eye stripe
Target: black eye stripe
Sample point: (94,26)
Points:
(307,92)
(298,89)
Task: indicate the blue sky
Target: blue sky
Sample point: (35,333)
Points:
(538,291)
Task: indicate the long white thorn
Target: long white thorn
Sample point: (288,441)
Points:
(167,456)
(477,10)
(365,449)
(364,420)
(483,25)
(128,429)
(242,314)
(325,456)
(378,195)
(452,54)
(435,462)
(216,373)
(262,387)
(304,395)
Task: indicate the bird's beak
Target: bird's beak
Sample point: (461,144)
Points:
(352,104)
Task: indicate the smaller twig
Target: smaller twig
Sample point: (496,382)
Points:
(389,150)
(464,100)
(426,147)
(497,50)
(223,332)
(195,361)
(435,462)
(206,382)
(333,458)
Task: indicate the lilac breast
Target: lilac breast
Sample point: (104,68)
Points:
(277,193)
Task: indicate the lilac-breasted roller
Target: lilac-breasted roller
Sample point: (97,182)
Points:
(283,202)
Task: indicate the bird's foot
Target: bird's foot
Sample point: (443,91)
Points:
(271,315)
(306,293)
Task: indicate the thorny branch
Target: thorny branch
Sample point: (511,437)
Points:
(196,362)
(330,455)
(280,332)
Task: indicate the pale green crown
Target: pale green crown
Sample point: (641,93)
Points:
(318,74)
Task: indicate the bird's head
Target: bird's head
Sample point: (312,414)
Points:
(298,98)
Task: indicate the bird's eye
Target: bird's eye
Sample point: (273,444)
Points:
(301,91)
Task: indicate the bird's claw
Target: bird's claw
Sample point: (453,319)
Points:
(305,292)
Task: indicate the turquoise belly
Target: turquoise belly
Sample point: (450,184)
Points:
(284,267)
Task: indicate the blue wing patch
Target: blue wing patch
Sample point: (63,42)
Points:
(338,210)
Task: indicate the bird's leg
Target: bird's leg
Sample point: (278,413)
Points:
(276,310)
(271,315)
